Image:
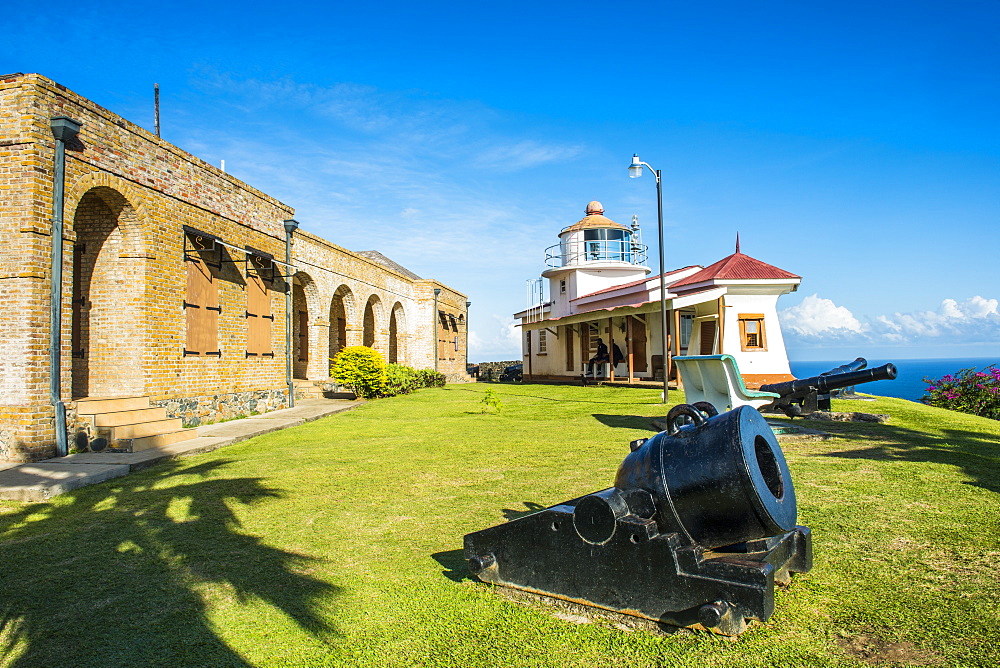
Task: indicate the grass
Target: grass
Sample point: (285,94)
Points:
(338,543)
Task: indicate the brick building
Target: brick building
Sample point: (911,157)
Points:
(173,286)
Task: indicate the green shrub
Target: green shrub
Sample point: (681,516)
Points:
(430,378)
(968,391)
(362,369)
(399,379)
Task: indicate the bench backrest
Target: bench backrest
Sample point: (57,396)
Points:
(717,380)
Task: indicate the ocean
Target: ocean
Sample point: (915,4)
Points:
(909,382)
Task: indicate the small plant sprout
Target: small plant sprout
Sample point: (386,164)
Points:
(491,400)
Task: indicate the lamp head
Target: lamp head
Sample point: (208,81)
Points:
(291,225)
(635,169)
(437,291)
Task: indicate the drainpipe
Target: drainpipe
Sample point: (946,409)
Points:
(63,129)
(467,305)
(290,226)
(437,291)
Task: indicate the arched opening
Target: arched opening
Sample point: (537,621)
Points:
(109,277)
(372,319)
(303,288)
(341,313)
(397,324)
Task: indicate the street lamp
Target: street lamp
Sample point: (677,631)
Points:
(635,171)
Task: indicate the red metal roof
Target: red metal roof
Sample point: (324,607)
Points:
(666,278)
(736,267)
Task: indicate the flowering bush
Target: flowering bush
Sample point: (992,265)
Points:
(968,391)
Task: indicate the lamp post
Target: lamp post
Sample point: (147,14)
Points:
(437,352)
(635,171)
(290,226)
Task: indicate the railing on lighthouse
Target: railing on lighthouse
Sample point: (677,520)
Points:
(535,293)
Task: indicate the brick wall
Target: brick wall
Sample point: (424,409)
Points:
(129,198)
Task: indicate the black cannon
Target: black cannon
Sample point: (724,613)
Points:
(800,397)
(699,526)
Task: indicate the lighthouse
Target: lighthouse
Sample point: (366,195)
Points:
(593,254)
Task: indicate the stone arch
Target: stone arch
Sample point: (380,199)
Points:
(373,323)
(343,319)
(108,292)
(135,227)
(397,334)
(305,303)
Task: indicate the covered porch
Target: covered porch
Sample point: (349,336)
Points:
(562,348)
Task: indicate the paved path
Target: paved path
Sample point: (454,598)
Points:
(40,481)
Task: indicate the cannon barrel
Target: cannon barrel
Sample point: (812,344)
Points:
(857,365)
(832,381)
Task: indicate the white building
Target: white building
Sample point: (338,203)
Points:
(599,287)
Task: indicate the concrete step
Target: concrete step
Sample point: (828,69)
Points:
(96,405)
(153,428)
(158,440)
(130,417)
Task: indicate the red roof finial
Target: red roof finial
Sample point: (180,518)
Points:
(737,242)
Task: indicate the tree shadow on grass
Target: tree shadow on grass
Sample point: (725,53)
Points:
(977,453)
(641,422)
(124,573)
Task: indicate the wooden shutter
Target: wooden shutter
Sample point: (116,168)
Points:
(638,345)
(568,333)
(303,336)
(201,306)
(79,301)
(707,337)
(259,316)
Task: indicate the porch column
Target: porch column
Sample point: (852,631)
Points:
(611,350)
(628,343)
(676,343)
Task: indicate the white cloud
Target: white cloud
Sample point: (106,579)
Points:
(524,154)
(501,342)
(818,322)
(816,316)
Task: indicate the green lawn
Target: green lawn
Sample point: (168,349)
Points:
(338,543)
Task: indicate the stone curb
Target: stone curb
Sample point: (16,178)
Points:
(40,481)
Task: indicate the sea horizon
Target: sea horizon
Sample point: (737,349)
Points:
(909,382)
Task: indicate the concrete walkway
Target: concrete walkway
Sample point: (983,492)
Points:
(40,481)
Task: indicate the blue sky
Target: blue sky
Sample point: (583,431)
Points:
(855,144)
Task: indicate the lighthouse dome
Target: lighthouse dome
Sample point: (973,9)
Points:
(594,220)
